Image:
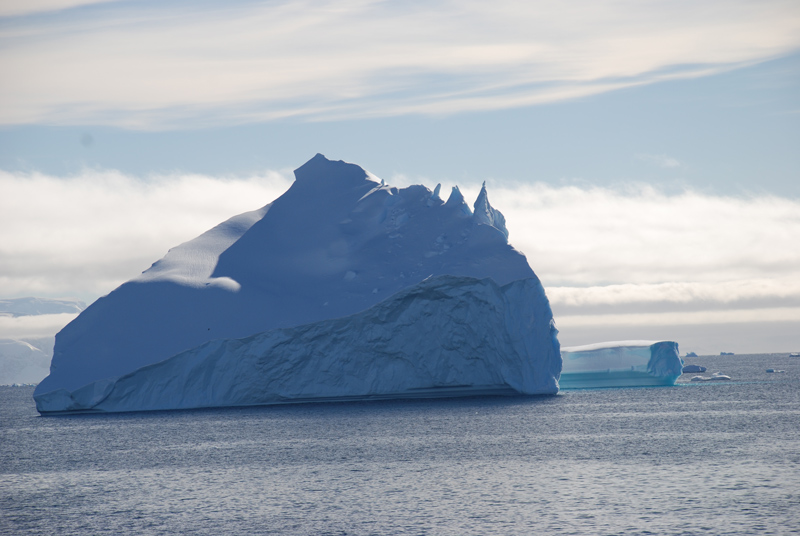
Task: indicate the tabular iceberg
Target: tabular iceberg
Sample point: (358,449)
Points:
(620,364)
(313,269)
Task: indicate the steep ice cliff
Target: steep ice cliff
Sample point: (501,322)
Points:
(338,242)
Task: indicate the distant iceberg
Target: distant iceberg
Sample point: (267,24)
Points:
(620,364)
(693,368)
(342,287)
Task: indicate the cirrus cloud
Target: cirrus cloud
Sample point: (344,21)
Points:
(146,65)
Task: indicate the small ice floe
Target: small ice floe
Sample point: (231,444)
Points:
(772,370)
(693,368)
(714,377)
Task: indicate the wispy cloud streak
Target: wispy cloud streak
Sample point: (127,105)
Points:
(151,65)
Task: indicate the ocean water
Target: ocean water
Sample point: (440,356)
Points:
(696,458)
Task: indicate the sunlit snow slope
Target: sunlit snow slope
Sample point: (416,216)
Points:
(336,243)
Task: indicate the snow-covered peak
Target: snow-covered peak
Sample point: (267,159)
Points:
(319,172)
(485,214)
(456,200)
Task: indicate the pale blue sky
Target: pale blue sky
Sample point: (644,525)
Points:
(645,153)
(729,133)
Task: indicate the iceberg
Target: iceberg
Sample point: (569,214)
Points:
(620,364)
(322,294)
(693,369)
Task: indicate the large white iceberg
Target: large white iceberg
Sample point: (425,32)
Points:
(336,249)
(620,364)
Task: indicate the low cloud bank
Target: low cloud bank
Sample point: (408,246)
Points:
(84,235)
(610,257)
(598,236)
(33,327)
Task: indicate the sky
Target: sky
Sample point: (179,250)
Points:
(645,154)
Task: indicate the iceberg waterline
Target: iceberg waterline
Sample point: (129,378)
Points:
(324,293)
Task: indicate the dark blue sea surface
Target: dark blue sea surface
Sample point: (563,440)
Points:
(696,458)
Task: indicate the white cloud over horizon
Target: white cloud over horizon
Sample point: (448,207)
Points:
(625,263)
(642,235)
(150,66)
(83,235)
(597,250)
(33,326)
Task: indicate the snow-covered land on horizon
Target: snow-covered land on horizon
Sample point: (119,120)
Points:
(25,361)
(31,306)
(337,243)
(27,335)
